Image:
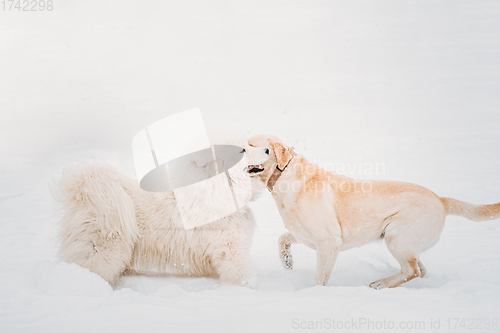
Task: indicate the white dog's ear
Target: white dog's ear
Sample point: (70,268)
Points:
(282,152)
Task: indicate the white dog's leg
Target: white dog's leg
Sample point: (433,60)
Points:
(284,243)
(326,254)
(233,264)
(106,255)
(99,228)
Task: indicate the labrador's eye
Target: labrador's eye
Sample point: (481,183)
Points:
(242,151)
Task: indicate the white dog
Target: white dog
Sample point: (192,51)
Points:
(110,225)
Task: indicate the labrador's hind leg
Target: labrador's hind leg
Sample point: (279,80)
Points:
(422,268)
(409,271)
(406,247)
(410,233)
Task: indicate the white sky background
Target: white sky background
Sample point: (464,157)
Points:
(92,73)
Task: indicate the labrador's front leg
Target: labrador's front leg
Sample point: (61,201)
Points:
(284,243)
(326,254)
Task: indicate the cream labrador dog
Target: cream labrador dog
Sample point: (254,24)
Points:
(332,213)
(111,226)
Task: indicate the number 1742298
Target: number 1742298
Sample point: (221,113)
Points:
(27,5)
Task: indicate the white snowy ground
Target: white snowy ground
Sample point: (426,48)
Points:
(413,85)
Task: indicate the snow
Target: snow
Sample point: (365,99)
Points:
(410,85)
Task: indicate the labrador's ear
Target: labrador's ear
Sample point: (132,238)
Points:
(282,152)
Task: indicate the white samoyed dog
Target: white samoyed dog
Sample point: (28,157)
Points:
(111,226)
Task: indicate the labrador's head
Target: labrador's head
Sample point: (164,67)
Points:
(280,154)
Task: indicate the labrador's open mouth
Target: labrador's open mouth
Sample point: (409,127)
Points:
(254,169)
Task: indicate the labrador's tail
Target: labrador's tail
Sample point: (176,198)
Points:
(472,212)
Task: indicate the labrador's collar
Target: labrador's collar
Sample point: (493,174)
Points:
(277,173)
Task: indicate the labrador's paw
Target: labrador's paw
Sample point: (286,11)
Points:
(286,260)
(379,284)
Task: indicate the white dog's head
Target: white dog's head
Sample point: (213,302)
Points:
(233,155)
(232,147)
(216,182)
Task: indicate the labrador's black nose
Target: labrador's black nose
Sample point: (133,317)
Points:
(267,151)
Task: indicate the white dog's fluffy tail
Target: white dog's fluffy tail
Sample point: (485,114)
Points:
(98,228)
(472,212)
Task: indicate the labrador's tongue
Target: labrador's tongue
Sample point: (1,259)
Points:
(256,166)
